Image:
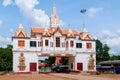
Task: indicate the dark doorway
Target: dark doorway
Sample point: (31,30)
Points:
(33,66)
(79,66)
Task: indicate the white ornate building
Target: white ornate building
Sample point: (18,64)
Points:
(53,41)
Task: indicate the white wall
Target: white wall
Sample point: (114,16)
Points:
(29,58)
(27,45)
(84,58)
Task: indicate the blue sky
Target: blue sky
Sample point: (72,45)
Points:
(102,18)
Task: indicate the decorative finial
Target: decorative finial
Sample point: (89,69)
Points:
(20,24)
(70,31)
(20,21)
(84,29)
(54,5)
(30,25)
(46,29)
(54,10)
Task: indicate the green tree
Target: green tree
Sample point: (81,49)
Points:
(50,60)
(106,52)
(115,57)
(102,51)
(65,60)
(6,58)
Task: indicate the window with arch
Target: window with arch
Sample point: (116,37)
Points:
(57,41)
(71,43)
(46,43)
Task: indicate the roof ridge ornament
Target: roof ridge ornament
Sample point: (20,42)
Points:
(70,33)
(84,29)
(46,32)
(20,26)
(20,31)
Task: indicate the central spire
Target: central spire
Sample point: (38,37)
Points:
(54,20)
(54,10)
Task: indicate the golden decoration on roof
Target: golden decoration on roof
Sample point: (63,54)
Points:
(20,32)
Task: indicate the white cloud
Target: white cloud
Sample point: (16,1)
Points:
(93,11)
(1,22)
(6,2)
(4,41)
(118,32)
(35,16)
(112,39)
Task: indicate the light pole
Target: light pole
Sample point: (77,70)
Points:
(83,12)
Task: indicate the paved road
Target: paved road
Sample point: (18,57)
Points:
(80,76)
(52,76)
(31,77)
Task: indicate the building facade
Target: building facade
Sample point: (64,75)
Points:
(53,41)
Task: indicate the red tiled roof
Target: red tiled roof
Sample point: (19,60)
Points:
(41,30)
(65,32)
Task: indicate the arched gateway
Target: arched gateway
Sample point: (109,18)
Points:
(53,41)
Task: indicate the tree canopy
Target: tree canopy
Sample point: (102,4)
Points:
(6,58)
(102,51)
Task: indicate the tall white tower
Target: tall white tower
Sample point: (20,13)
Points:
(54,19)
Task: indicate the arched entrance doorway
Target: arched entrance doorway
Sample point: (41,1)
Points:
(56,59)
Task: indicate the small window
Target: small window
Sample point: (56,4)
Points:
(78,45)
(21,43)
(71,44)
(32,43)
(57,41)
(88,45)
(46,42)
